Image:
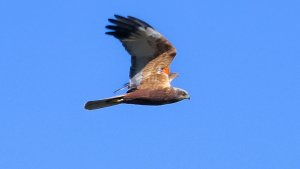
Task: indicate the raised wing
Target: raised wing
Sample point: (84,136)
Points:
(150,51)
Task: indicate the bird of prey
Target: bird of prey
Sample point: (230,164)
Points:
(151,55)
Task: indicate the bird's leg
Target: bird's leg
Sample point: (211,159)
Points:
(126,85)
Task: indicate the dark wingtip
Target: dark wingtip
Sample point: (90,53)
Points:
(112,20)
(109,33)
(143,23)
(116,15)
(123,27)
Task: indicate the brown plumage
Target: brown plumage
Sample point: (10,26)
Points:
(151,56)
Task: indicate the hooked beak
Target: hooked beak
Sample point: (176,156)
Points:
(188,97)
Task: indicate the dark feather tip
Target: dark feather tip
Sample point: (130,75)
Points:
(123,27)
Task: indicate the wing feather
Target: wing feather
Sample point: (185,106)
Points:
(149,50)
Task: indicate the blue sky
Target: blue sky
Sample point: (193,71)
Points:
(239,60)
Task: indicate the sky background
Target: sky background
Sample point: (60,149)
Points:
(239,60)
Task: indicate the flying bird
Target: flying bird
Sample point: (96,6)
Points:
(151,56)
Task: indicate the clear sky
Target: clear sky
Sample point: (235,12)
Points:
(239,60)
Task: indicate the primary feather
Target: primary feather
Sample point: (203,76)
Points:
(144,44)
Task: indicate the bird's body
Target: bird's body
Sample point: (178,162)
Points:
(151,56)
(152,96)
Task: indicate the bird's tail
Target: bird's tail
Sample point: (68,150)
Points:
(97,104)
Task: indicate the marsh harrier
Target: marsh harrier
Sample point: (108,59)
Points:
(151,56)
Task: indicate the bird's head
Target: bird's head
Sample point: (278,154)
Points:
(182,94)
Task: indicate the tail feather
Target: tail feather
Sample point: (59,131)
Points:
(97,104)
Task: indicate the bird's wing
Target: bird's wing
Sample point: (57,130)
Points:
(150,51)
